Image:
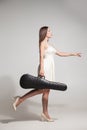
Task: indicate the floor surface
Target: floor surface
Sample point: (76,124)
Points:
(28,116)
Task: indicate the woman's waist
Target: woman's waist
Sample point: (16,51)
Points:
(48,57)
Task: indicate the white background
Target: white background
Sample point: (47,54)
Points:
(20,21)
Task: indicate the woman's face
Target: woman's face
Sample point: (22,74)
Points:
(49,33)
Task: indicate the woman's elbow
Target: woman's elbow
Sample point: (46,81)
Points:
(58,53)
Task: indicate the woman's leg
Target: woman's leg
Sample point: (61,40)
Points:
(28,95)
(45,102)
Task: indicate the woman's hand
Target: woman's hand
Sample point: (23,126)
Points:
(77,54)
(41,73)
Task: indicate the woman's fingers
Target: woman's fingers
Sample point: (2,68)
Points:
(79,54)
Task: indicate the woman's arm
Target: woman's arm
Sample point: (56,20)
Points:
(64,54)
(41,53)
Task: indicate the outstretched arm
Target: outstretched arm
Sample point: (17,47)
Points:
(64,54)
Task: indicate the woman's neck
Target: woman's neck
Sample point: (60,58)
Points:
(46,40)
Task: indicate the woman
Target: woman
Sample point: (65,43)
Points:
(45,68)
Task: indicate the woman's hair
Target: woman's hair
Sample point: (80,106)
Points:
(42,33)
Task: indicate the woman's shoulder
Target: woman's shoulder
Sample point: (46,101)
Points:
(42,45)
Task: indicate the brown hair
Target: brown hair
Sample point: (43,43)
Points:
(42,33)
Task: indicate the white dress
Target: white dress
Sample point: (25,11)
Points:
(49,67)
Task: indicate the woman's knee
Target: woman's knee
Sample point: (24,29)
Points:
(45,96)
(46,91)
